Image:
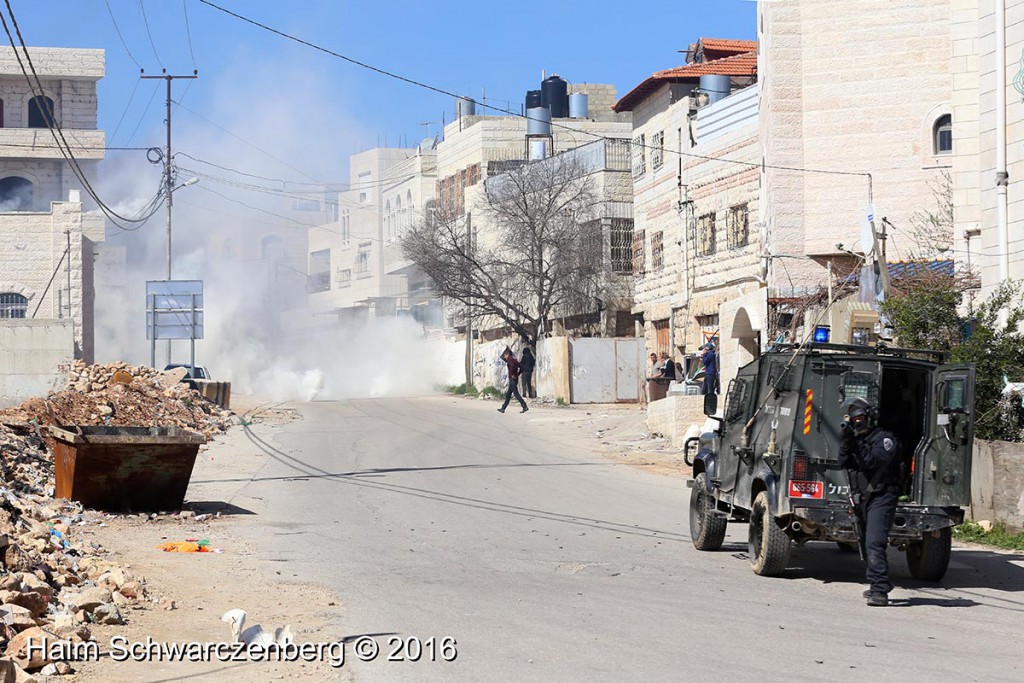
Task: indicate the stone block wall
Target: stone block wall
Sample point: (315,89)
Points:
(997,483)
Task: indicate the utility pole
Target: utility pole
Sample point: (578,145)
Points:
(168,172)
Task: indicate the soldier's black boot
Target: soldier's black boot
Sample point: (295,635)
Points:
(876,598)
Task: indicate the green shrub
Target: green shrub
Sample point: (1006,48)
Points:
(998,537)
(492,392)
(458,389)
(561,401)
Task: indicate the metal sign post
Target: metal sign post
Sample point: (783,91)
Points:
(175,311)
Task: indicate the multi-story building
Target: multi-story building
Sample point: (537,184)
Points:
(49,241)
(696,202)
(982,133)
(356,266)
(855,115)
(478,147)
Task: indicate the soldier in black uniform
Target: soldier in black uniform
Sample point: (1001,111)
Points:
(871,454)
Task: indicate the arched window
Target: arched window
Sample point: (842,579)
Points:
(410,210)
(40,112)
(387,221)
(15,194)
(272,247)
(942,135)
(13,305)
(398,224)
(428,213)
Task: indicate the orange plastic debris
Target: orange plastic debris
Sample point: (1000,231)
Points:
(183,547)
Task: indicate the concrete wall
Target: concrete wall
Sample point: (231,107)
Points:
(35,357)
(997,483)
(675,415)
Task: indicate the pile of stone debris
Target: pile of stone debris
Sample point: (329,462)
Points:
(52,585)
(123,395)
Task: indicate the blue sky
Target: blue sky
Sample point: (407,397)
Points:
(456,45)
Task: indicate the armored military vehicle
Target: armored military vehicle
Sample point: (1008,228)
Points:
(772,461)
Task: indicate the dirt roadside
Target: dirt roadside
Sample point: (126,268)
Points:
(203,586)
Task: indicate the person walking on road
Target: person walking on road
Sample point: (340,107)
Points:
(513,380)
(526,365)
(871,455)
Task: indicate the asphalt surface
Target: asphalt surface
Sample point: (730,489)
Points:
(440,518)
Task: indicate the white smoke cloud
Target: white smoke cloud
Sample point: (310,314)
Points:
(295,356)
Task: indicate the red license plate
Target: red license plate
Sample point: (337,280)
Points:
(806,489)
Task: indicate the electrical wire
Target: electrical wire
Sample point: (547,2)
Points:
(156,87)
(188,32)
(131,98)
(142,8)
(238,137)
(118,29)
(51,123)
(442,91)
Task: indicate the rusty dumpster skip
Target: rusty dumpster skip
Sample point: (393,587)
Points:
(138,469)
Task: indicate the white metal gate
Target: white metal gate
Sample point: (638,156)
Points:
(606,370)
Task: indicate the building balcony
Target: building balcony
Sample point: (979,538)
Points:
(38,143)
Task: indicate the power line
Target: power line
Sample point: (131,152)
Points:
(131,98)
(188,31)
(240,138)
(51,123)
(116,28)
(145,111)
(142,8)
(442,91)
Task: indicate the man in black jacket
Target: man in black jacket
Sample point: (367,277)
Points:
(526,365)
(513,380)
(871,454)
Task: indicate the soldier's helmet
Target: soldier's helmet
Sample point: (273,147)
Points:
(861,415)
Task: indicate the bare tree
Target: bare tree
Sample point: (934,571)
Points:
(932,228)
(530,250)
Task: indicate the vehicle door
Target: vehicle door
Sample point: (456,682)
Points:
(943,467)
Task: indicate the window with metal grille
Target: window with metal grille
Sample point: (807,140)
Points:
(657,251)
(638,252)
(736,403)
(657,150)
(738,226)
(13,305)
(639,155)
(943,134)
(345,277)
(622,245)
(363,262)
(706,235)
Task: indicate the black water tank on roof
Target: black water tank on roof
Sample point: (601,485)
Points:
(534,99)
(555,95)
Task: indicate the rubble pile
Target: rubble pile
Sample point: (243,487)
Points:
(123,395)
(52,585)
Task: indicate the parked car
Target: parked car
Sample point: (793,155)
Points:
(193,372)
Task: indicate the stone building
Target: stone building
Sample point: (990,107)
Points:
(855,109)
(987,119)
(696,201)
(48,240)
(356,266)
(478,147)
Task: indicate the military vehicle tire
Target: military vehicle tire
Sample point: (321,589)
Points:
(707,530)
(929,559)
(769,545)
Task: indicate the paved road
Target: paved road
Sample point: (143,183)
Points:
(438,517)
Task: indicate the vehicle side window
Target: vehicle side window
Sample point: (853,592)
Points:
(859,385)
(736,403)
(780,376)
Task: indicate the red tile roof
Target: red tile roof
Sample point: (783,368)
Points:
(744,64)
(728,46)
